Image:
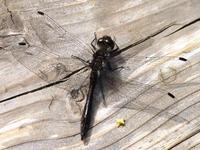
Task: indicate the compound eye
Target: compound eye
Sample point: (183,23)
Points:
(100,40)
(107,41)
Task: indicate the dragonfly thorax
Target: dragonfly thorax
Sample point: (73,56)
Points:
(99,59)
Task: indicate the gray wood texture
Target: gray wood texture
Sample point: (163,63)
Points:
(160,29)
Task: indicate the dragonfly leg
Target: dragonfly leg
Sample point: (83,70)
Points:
(82,60)
(117,47)
(94,42)
(121,67)
(111,68)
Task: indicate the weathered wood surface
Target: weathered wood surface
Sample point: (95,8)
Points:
(159,28)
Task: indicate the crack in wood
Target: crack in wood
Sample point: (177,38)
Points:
(184,26)
(185,139)
(147,38)
(42,87)
(9,11)
(10,35)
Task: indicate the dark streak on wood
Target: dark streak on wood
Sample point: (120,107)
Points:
(184,26)
(186,138)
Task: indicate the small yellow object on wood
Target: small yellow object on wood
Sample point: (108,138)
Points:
(120,122)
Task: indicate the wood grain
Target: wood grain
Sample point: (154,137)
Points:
(164,30)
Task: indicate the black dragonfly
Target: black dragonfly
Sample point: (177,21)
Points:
(99,75)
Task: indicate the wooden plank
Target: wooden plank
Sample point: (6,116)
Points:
(163,31)
(191,143)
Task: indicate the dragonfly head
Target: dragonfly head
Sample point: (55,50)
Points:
(106,42)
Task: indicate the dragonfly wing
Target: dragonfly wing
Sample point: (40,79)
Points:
(46,65)
(57,39)
(122,92)
(47,51)
(49,55)
(52,69)
(164,70)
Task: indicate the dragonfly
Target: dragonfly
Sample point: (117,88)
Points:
(61,59)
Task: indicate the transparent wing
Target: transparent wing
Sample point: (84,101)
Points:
(121,95)
(48,66)
(153,70)
(159,73)
(57,39)
(47,50)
